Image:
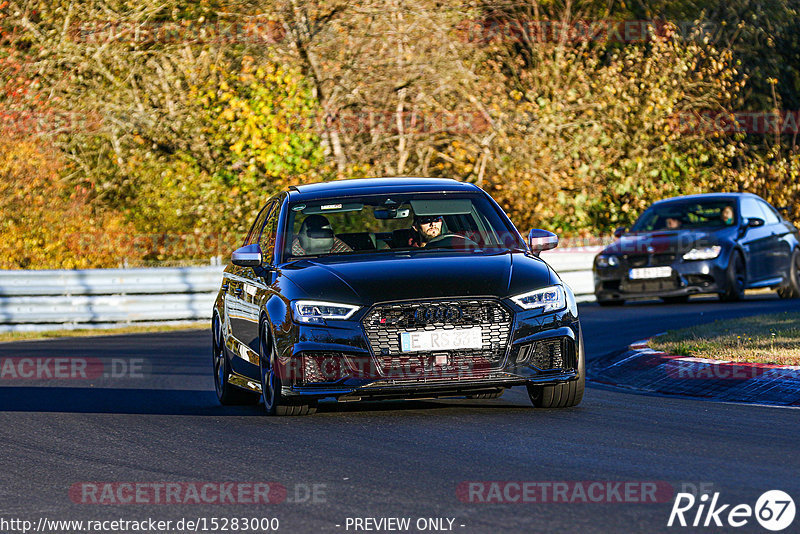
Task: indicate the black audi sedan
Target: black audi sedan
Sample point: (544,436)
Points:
(714,243)
(401,288)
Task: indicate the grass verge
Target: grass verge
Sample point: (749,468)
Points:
(773,338)
(94,332)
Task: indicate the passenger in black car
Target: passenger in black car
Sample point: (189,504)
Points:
(316,237)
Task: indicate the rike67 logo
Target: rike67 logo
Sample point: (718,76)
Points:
(774,510)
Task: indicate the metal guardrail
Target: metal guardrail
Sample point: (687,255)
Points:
(47,300)
(156,280)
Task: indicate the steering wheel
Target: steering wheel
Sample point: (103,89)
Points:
(452,241)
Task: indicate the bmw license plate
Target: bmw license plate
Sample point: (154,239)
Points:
(431,340)
(647,273)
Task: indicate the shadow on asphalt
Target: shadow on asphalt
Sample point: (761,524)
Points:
(187,402)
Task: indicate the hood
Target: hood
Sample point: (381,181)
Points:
(388,277)
(662,242)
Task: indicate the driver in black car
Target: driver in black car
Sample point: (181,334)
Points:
(426,228)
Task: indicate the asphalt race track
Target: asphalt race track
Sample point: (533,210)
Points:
(151,416)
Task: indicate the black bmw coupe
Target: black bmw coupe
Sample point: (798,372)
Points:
(392,288)
(714,243)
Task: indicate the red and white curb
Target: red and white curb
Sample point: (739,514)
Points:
(645,369)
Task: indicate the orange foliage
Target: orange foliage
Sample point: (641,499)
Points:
(44,220)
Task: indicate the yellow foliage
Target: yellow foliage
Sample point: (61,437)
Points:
(47,224)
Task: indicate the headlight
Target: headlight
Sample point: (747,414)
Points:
(315,312)
(549,299)
(706,253)
(604,260)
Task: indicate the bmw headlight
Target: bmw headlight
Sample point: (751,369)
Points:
(548,299)
(605,260)
(705,253)
(316,312)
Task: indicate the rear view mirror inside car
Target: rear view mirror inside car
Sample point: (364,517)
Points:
(392,213)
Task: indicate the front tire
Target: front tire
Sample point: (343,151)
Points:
(792,289)
(562,395)
(275,403)
(227,393)
(736,275)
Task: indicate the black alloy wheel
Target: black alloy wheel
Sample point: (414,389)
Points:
(275,403)
(563,395)
(735,279)
(792,289)
(227,393)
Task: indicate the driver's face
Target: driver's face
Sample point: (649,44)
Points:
(430,227)
(727,214)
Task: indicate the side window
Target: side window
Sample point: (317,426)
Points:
(255,230)
(267,239)
(769,214)
(750,208)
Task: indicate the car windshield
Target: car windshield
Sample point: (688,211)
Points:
(420,222)
(687,215)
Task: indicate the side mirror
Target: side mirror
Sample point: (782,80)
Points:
(540,240)
(247,256)
(755,222)
(621,231)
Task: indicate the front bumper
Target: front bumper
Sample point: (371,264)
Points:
(399,389)
(688,278)
(521,363)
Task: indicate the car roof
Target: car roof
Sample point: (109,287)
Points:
(708,196)
(367,186)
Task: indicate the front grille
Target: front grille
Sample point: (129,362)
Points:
(649,260)
(702,280)
(548,354)
(650,286)
(320,367)
(385,322)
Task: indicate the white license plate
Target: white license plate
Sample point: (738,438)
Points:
(430,340)
(646,273)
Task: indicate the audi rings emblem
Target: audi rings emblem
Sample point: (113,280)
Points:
(438,314)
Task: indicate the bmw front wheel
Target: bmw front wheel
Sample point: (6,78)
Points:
(735,279)
(792,288)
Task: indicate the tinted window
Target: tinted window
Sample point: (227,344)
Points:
(769,214)
(751,209)
(267,239)
(687,214)
(255,230)
(463,222)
